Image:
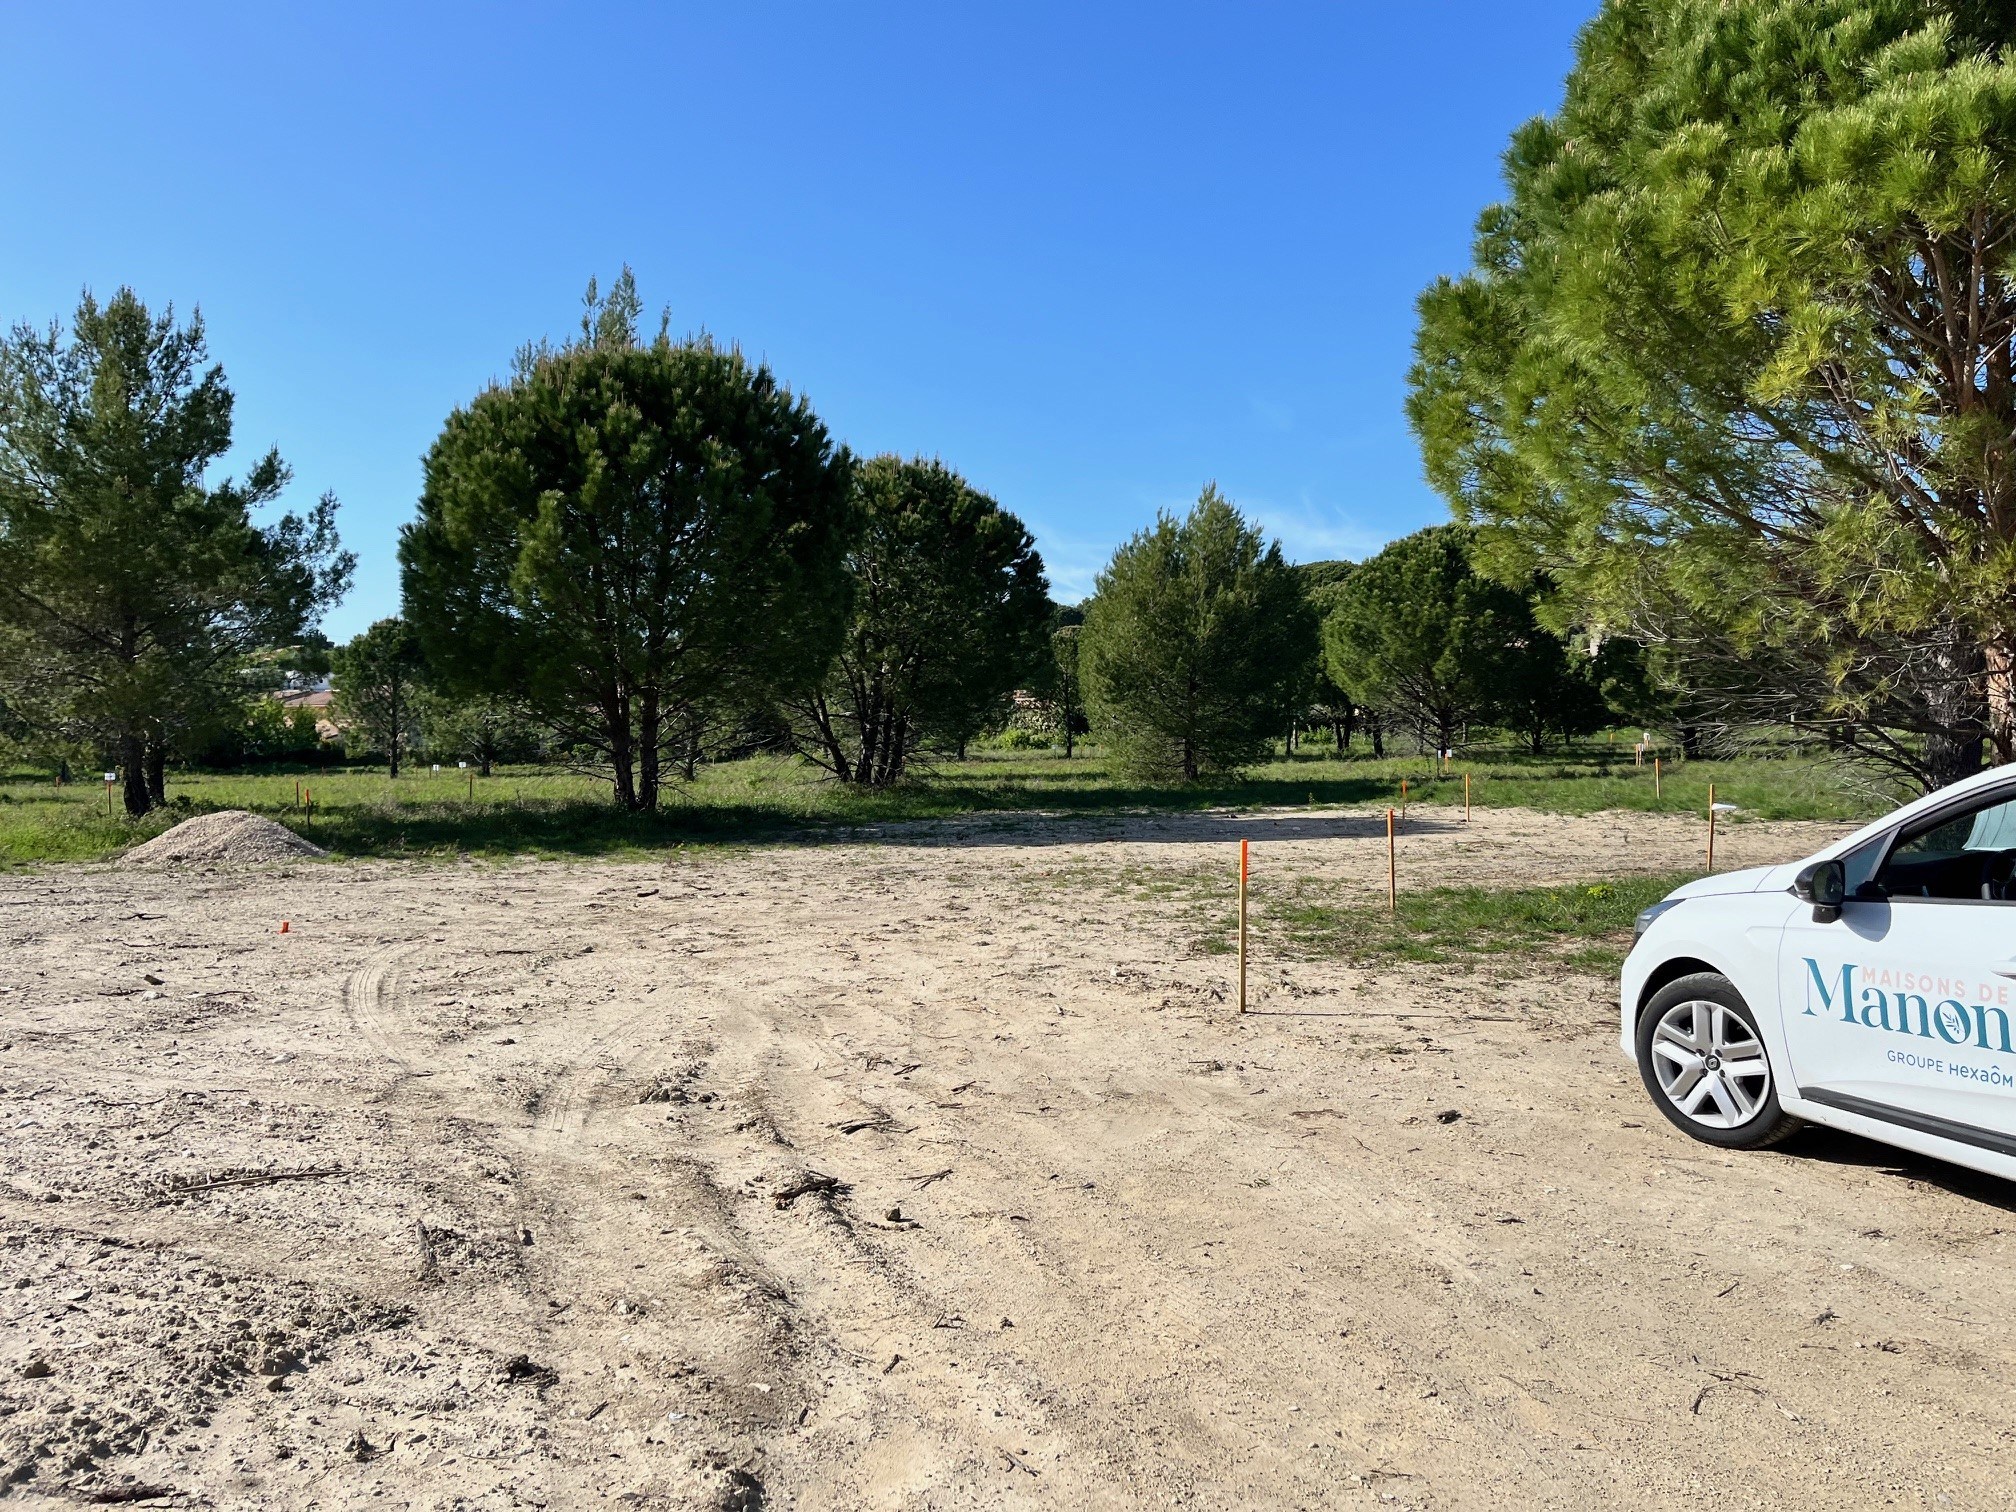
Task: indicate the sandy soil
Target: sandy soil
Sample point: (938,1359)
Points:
(1412,1238)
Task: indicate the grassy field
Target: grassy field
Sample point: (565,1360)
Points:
(528,811)
(1587,925)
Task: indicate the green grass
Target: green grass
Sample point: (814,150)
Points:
(1297,917)
(524,810)
(1586,925)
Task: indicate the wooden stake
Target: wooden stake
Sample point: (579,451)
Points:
(1392,867)
(1466,797)
(1403,795)
(1655,778)
(1711,826)
(1245,848)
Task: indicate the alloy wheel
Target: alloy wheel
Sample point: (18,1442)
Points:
(1710,1064)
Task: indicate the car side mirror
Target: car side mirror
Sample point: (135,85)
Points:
(1824,884)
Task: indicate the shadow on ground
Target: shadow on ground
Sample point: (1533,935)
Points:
(596,829)
(1838,1148)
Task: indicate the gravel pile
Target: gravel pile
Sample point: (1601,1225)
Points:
(232,838)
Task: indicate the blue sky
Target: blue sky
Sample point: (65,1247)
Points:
(1091,255)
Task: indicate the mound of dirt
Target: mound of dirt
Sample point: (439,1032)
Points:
(232,838)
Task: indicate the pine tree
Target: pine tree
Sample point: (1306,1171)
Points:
(1736,365)
(1197,645)
(1416,633)
(949,613)
(629,537)
(380,687)
(134,591)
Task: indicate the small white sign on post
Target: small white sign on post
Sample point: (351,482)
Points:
(461,766)
(111,776)
(437,766)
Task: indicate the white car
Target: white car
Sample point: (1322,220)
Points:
(1871,988)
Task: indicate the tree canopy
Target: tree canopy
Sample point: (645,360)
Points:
(1059,682)
(380,684)
(632,536)
(1414,632)
(1197,644)
(1736,365)
(134,591)
(950,615)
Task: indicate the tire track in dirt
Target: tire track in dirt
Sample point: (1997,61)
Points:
(575,1170)
(1186,1310)
(365,999)
(788,1053)
(576,1177)
(849,1277)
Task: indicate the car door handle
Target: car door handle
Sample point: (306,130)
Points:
(2004,968)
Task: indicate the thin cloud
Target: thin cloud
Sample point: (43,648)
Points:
(1071,563)
(1311,534)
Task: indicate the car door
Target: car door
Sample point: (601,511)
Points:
(1904,1008)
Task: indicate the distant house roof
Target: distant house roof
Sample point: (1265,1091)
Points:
(317,699)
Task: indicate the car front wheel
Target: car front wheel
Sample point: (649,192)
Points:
(1705,1064)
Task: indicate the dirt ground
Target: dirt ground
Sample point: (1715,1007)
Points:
(928,1170)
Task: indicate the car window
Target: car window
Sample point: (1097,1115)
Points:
(1861,863)
(1966,856)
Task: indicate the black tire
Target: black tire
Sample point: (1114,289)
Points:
(1769,1124)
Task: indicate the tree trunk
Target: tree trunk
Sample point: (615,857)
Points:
(616,723)
(133,775)
(896,748)
(647,751)
(392,729)
(870,710)
(1999,658)
(1957,714)
(1377,727)
(1189,759)
(157,773)
(1068,736)
(822,722)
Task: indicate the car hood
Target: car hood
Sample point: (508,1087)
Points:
(1723,884)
